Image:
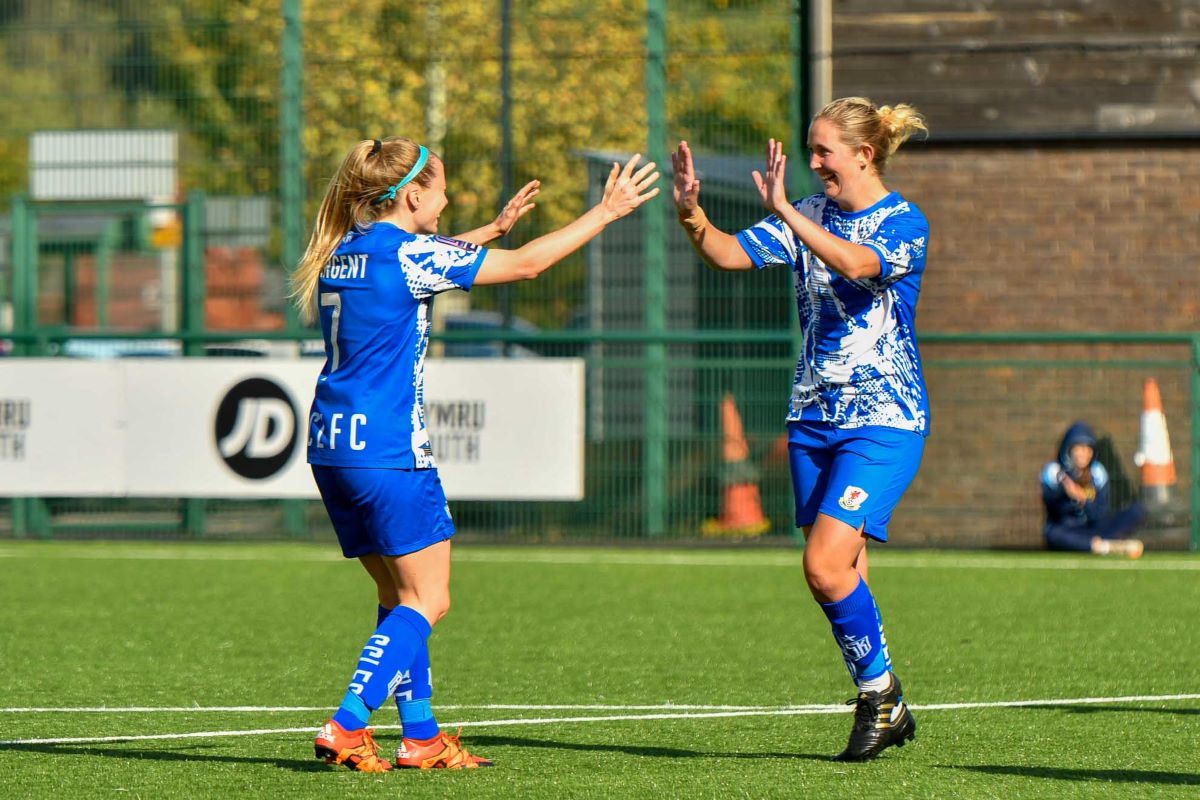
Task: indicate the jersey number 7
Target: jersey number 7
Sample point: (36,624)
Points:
(335,300)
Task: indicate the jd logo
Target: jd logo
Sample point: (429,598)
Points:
(256,428)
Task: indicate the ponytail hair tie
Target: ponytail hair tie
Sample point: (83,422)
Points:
(390,194)
(376,146)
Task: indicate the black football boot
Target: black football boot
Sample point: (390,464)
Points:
(881,719)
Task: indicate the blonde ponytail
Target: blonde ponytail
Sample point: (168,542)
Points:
(899,123)
(357,195)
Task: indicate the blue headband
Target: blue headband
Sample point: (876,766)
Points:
(390,194)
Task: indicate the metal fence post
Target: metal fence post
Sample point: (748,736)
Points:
(798,105)
(800,180)
(291,184)
(105,247)
(654,454)
(1195,465)
(24,273)
(192,316)
(24,313)
(507,173)
(799,112)
(193,278)
(291,143)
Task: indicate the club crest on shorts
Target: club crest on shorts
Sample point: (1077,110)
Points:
(853,498)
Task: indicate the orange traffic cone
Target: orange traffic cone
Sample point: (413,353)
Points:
(741,508)
(1154,448)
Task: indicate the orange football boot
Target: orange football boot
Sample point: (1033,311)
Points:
(356,749)
(441,752)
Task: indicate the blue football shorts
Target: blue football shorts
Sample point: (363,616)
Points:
(856,475)
(392,512)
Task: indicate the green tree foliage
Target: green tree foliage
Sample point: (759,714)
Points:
(427,69)
(729,74)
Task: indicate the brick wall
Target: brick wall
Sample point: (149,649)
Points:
(1058,237)
(1045,237)
(236,285)
(235,278)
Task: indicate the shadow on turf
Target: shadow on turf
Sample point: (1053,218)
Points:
(477,742)
(482,742)
(1091,709)
(1097,775)
(296,765)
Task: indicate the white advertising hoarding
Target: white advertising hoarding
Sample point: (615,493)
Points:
(502,429)
(60,426)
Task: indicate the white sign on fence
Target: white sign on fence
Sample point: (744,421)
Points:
(103,165)
(502,429)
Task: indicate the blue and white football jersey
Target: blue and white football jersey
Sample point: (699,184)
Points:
(859,364)
(376,295)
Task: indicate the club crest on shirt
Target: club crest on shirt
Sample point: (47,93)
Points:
(853,498)
(459,243)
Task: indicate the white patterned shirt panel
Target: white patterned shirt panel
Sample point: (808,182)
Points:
(859,362)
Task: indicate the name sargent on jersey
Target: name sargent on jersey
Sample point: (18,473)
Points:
(346,267)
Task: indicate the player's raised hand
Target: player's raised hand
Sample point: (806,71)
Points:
(771,185)
(520,205)
(626,189)
(685,187)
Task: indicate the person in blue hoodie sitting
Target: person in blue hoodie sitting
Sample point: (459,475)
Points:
(1077,493)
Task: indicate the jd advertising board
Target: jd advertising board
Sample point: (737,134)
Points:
(502,429)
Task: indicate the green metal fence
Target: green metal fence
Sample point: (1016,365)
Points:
(999,405)
(266,95)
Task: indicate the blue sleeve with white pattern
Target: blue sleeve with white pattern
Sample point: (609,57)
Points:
(770,242)
(900,243)
(436,264)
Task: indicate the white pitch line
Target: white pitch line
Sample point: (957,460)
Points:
(285,709)
(1078,701)
(784,711)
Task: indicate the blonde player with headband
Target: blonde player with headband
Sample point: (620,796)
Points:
(371,270)
(858,413)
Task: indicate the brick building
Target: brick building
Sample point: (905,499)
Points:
(1062,185)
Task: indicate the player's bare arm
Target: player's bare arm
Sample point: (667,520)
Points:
(853,261)
(627,189)
(719,250)
(518,206)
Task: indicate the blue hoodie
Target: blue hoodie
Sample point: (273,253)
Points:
(1060,508)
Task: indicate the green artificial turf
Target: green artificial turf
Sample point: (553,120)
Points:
(196,626)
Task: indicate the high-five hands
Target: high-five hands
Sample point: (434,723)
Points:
(520,205)
(625,189)
(685,187)
(771,186)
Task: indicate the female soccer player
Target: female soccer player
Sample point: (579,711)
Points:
(858,414)
(370,272)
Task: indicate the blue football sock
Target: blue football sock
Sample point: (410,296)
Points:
(387,654)
(413,700)
(858,630)
(353,713)
(887,656)
(414,694)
